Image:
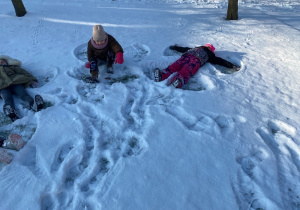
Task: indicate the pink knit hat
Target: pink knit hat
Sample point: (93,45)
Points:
(211,47)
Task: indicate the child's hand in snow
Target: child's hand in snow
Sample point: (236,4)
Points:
(34,84)
(236,68)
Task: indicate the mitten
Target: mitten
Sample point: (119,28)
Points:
(236,68)
(173,47)
(119,58)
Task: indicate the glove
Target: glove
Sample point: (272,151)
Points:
(34,84)
(119,58)
(173,47)
(87,65)
(236,68)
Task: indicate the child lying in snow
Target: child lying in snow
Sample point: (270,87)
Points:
(14,79)
(189,63)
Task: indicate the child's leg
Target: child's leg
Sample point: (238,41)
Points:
(174,67)
(7,97)
(111,56)
(189,69)
(20,91)
(94,67)
(9,107)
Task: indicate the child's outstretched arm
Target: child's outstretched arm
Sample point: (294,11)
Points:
(179,49)
(221,62)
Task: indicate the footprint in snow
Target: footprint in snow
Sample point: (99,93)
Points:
(32,160)
(60,156)
(46,76)
(247,186)
(47,202)
(249,162)
(280,138)
(136,52)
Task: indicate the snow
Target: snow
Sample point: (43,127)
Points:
(224,141)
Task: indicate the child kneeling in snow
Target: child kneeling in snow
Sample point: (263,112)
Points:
(14,80)
(102,49)
(189,63)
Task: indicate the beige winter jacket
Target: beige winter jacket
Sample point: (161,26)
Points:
(13,74)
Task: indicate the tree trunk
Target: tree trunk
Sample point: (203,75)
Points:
(232,11)
(19,7)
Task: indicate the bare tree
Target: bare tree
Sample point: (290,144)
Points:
(232,11)
(19,7)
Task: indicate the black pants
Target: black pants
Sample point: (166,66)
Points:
(95,62)
(18,90)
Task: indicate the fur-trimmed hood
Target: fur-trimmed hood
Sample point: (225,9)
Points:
(11,61)
(14,74)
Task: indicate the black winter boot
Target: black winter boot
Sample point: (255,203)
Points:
(39,102)
(157,75)
(10,112)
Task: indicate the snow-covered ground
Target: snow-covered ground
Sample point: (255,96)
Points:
(225,141)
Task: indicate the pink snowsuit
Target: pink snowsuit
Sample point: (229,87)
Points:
(190,62)
(186,66)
